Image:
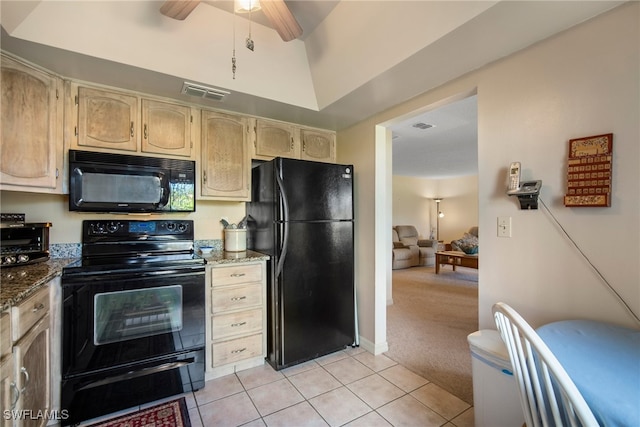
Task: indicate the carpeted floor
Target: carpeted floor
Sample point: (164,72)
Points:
(428,324)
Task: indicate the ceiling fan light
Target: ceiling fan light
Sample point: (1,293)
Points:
(244,6)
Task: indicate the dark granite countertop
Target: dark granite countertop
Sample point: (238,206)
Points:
(223,257)
(19,282)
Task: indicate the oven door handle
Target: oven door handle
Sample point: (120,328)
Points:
(139,373)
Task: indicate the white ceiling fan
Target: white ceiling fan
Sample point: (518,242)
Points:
(276,11)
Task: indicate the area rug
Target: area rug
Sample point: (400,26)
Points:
(169,414)
(428,324)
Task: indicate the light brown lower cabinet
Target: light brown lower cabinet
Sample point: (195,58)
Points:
(9,393)
(236,338)
(26,370)
(32,368)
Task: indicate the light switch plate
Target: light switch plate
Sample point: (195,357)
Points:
(504,226)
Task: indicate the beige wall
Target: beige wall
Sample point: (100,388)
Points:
(66,225)
(413,204)
(581,82)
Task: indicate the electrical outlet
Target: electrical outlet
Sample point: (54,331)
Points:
(504,226)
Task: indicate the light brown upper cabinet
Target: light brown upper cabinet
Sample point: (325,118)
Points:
(318,145)
(107,119)
(225,166)
(278,139)
(166,128)
(120,121)
(31,139)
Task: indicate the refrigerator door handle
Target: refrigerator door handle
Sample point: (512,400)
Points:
(285,219)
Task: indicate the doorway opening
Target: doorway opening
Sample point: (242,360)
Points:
(435,158)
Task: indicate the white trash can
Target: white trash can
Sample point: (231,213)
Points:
(496,400)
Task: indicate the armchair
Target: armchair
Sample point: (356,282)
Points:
(424,249)
(403,256)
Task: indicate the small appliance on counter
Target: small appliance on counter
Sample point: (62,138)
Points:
(22,242)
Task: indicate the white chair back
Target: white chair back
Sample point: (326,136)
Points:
(548,396)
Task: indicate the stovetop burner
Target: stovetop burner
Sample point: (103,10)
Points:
(119,245)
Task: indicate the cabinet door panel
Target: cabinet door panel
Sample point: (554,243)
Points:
(235,297)
(274,139)
(237,349)
(8,390)
(225,158)
(238,323)
(318,146)
(32,366)
(234,275)
(29,126)
(5,334)
(107,119)
(166,128)
(29,312)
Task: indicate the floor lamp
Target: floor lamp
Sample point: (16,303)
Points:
(440,215)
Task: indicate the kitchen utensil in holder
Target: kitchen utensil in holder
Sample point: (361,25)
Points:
(235,239)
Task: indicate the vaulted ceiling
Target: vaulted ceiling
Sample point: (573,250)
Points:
(354,59)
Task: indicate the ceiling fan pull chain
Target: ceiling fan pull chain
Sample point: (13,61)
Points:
(250,44)
(233,64)
(233,57)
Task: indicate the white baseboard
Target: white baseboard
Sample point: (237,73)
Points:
(373,348)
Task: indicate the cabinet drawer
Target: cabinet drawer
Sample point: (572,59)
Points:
(5,334)
(235,297)
(237,349)
(236,274)
(28,312)
(242,322)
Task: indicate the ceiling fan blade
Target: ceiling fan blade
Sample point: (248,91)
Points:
(278,13)
(178,9)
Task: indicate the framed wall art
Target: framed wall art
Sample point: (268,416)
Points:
(589,171)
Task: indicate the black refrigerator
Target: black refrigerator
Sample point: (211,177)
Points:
(301,215)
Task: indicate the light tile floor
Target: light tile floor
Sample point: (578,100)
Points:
(346,388)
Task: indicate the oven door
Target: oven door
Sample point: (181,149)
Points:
(114,320)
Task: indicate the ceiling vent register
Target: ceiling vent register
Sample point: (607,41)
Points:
(205,92)
(422,126)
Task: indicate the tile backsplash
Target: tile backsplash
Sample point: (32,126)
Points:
(74,250)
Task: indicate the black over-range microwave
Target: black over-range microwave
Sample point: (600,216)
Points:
(118,183)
